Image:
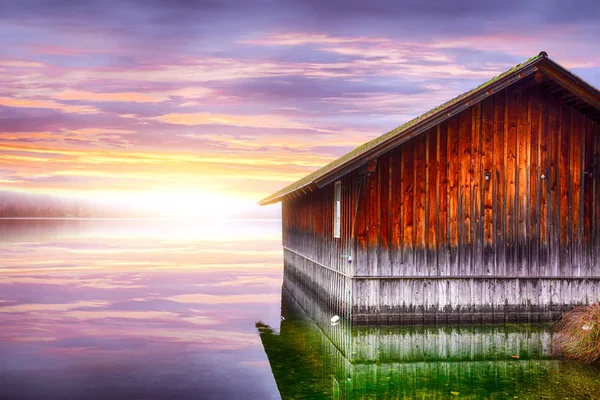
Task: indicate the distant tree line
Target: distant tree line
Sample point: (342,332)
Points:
(26,205)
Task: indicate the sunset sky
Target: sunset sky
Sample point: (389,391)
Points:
(214,104)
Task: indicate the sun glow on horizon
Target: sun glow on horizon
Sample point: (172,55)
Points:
(177,203)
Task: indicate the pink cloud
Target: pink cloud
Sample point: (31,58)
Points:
(49,104)
(20,64)
(122,97)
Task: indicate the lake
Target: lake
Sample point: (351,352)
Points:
(152,309)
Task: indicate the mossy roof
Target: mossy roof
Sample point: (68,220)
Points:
(394,134)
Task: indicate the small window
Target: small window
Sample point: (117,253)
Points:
(337,209)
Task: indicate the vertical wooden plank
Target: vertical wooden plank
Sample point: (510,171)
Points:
(498,178)
(373,220)
(396,209)
(534,187)
(327,242)
(387,204)
(487,159)
(326,210)
(476,193)
(315,202)
(453,169)
(290,223)
(522,186)
(345,216)
(407,205)
(360,264)
(564,200)
(544,247)
(319,212)
(596,202)
(350,195)
(432,201)
(337,265)
(588,193)
(383,250)
(306,216)
(337,241)
(510,165)
(420,200)
(442,300)
(486,302)
(285,222)
(576,144)
(442,196)
(465,194)
(352,227)
(554,118)
(309,215)
(330,243)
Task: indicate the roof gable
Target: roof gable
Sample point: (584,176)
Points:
(371,149)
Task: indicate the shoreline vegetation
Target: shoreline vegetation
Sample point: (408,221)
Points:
(578,334)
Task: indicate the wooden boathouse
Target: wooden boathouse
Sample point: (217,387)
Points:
(486,208)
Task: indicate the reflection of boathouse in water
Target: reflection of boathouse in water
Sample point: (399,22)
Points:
(486,208)
(312,359)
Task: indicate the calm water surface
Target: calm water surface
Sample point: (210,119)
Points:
(182,310)
(137,309)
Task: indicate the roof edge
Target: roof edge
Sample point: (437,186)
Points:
(418,125)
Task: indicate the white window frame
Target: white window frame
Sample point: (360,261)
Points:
(337,209)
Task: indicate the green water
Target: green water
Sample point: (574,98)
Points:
(311,359)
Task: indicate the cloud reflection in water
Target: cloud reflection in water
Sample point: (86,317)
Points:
(149,308)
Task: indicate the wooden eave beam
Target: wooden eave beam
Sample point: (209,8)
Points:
(588,95)
(311,187)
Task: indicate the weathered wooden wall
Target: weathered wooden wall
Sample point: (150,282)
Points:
(313,255)
(330,286)
(308,225)
(444,300)
(428,211)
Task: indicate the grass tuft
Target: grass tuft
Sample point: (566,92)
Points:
(578,334)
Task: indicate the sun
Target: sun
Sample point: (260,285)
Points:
(187,203)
